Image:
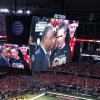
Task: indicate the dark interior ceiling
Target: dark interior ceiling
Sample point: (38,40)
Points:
(77,9)
(73,4)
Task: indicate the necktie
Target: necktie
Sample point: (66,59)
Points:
(48,59)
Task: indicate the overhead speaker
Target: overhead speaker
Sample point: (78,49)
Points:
(18,29)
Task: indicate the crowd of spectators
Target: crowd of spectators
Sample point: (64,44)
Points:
(77,79)
(70,83)
(82,67)
(11,84)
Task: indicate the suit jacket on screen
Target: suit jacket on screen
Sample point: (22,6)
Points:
(4,62)
(41,62)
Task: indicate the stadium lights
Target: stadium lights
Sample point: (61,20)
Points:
(19,11)
(22,12)
(28,11)
(4,10)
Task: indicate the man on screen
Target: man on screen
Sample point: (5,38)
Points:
(62,53)
(24,51)
(42,55)
(72,30)
(4,57)
(17,61)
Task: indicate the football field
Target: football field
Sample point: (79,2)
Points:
(34,97)
(50,96)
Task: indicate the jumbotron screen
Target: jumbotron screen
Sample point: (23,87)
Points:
(51,42)
(12,56)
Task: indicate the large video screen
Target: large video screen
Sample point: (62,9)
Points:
(14,56)
(51,42)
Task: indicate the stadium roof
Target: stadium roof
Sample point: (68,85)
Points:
(80,9)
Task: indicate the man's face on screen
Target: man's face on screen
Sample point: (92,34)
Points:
(5,52)
(72,29)
(50,40)
(23,50)
(54,42)
(61,35)
(14,53)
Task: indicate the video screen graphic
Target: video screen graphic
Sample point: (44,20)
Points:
(15,56)
(18,29)
(51,39)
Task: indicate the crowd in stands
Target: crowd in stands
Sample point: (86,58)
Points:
(82,67)
(56,81)
(14,84)
(70,83)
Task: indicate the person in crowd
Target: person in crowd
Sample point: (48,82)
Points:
(62,53)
